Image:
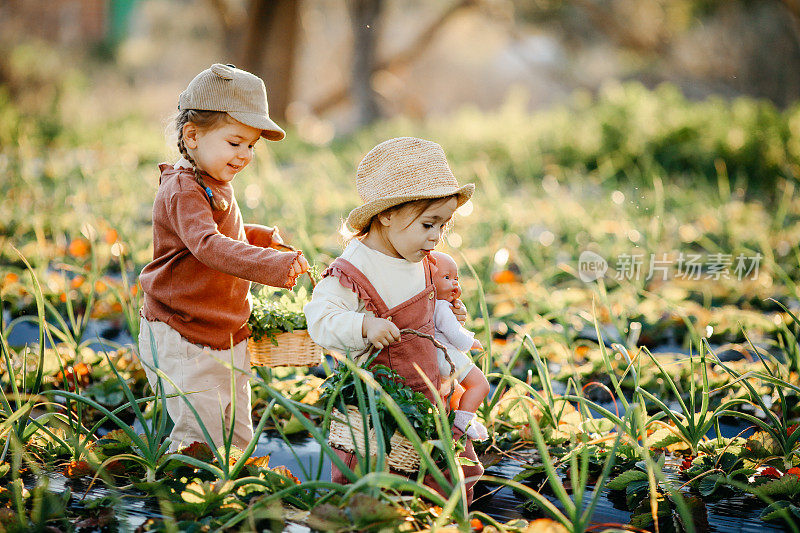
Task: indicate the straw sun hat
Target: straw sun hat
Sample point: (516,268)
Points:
(401,170)
(235,91)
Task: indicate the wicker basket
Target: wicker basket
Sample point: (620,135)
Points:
(403,456)
(294,349)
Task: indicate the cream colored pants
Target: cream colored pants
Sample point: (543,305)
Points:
(206,382)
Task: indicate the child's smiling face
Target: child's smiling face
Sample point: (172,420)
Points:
(223,150)
(411,237)
(445,277)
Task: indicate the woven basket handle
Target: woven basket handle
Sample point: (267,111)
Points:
(363,358)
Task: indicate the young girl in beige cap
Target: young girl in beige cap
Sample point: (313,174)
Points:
(197,288)
(382,282)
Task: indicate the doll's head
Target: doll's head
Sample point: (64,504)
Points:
(221,115)
(445,277)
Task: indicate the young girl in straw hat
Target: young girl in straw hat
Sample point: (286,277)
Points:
(197,288)
(382,282)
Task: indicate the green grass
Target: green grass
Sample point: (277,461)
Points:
(629,171)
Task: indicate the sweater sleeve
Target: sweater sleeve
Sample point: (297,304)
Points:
(259,235)
(450,328)
(333,317)
(191,217)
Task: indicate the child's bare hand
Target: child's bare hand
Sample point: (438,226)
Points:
(276,238)
(379,331)
(459,310)
(476,345)
(299,266)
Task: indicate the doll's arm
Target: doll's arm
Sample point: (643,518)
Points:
(334,317)
(447,324)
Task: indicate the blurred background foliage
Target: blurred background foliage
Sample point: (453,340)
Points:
(695,98)
(332,66)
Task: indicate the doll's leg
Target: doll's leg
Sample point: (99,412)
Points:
(476,387)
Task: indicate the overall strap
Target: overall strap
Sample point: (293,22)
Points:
(355,280)
(428,270)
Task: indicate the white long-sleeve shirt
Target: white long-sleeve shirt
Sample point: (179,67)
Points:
(335,313)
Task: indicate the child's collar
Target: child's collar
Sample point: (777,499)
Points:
(182,163)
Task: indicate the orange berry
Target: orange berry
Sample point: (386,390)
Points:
(111,236)
(77,281)
(100,287)
(504,276)
(79,248)
(10,278)
(62,297)
(476,525)
(82,370)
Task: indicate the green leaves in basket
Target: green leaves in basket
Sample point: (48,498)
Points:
(416,407)
(276,311)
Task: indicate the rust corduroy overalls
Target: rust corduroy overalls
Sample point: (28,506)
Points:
(415,313)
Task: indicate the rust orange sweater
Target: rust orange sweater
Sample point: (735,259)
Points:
(203,262)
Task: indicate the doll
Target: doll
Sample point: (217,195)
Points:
(458,341)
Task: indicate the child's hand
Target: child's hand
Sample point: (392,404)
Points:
(276,239)
(476,345)
(459,310)
(299,266)
(379,331)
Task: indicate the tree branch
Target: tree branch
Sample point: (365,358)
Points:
(616,30)
(399,59)
(793,7)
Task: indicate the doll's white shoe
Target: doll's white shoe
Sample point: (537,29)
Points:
(466,422)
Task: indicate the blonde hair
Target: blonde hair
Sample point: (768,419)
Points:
(204,120)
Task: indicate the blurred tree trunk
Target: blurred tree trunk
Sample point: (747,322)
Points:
(270,42)
(364,15)
(401,58)
(793,6)
(231,21)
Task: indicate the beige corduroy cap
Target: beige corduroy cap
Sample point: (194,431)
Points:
(240,94)
(401,170)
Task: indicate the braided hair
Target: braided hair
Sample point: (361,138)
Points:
(203,120)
